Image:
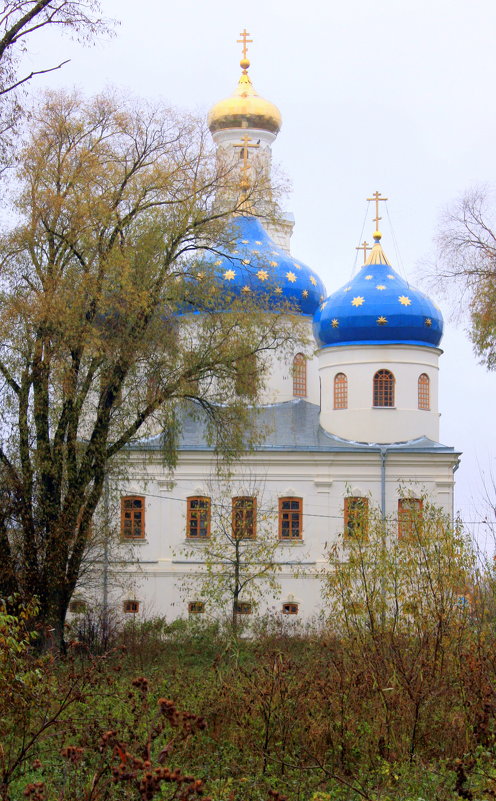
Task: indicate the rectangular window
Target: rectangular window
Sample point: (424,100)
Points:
(244,517)
(290,519)
(409,517)
(198,518)
(243,608)
(290,609)
(77,607)
(131,607)
(196,607)
(133,518)
(356,517)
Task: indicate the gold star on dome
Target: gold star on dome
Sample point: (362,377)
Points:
(245,242)
(235,252)
(275,253)
(256,252)
(200,276)
(246,261)
(305,293)
(273,263)
(348,289)
(298,266)
(390,276)
(229,275)
(357,301)
(313,281)
(278,290)
(291,277)
(262,275)
(335,323)
(257,242)
(368,277)
(380,286)
(404,300)
(217,263)
(428,322)
(246,289)
(381,321)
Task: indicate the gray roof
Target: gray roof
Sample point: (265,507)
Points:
(290,426)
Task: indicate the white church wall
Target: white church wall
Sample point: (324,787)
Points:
(167,560)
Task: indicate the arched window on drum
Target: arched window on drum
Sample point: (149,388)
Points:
(299,376)
(340,391)
(383,394)
(424,395)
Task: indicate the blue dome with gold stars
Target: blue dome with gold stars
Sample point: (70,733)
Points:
(255,266)
(378,307)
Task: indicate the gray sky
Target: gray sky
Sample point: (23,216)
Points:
(392,95)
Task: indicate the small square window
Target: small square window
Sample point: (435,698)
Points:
(243,608)
(77,607)
(131,607)
(290,609)
(196,607)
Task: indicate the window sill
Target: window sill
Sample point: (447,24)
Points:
(136,541)
(288,543)
(383,407)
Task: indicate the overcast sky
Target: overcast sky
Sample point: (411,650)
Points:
(392,96)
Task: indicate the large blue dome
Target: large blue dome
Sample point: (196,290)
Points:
(378,307)
(254,265)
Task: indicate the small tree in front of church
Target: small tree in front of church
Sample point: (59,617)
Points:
(239,565)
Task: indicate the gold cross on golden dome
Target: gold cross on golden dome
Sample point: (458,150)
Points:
(245,143)
(244,41)
(364,246)
(378,198)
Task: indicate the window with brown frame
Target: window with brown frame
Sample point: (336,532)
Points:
(133,517)
(77,606)
(424,401)
(383,388)
(299,376)
(356,517)
(290,609)
(244,518)
(196,607)
(290,519)
(340,391)
(409,517)
(243,608)
(198,518)
(131,607)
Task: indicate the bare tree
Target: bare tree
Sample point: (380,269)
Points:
(20,21)
(466,265)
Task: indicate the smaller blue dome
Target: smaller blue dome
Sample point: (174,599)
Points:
(378,307)
(254,265)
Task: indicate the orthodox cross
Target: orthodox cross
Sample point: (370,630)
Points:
(245,143)
(364,246)
(244,41)
(378,198)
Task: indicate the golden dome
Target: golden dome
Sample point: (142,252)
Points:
(245,108)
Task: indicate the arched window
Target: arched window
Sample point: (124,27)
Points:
(384,388)
(299,376)
(340,391)
(424,401)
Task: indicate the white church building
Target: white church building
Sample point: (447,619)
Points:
(352,422)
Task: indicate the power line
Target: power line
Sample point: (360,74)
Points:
(308,514)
